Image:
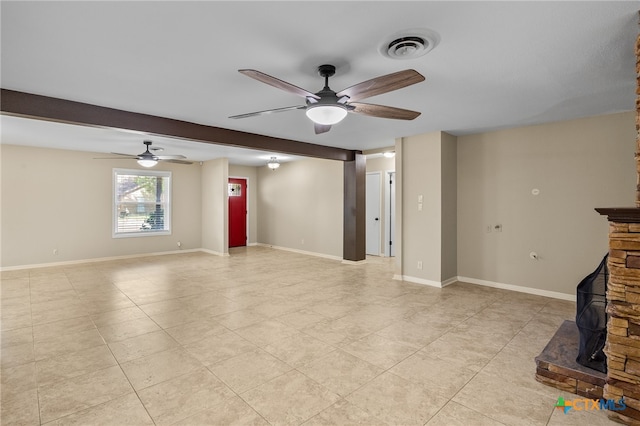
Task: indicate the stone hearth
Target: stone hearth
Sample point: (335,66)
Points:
(557,366)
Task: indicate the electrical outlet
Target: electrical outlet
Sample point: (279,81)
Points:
(55,252)
(179,244)
(419,264)
(488,229)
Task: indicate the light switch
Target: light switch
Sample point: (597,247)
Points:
(419,207)
(419,198)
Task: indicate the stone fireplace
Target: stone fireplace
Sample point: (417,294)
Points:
(623,307)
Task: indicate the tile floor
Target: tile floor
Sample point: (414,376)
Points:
(270,337)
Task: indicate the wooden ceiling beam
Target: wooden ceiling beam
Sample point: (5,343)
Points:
(71,112)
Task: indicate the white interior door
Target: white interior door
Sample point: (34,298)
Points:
(373,213)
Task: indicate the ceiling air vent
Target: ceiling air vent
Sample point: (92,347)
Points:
(409,44)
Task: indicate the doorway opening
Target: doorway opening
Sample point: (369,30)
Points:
(237,212)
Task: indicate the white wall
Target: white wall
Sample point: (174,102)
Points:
(215,206)
(449,188)
(251,174)
(577,166)
(301,206)
(59,199)
(421,229)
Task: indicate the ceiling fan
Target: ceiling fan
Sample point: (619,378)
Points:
(149,159)
(327,107)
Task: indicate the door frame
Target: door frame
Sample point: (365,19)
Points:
(248,205)
(390,212)
(379,214)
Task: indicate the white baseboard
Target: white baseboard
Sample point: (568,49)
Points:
(309,253)
(511,287)
(449,281)
(521,289)
(215,253)
(417,280)
(97,259)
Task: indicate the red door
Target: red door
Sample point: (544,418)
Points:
(237,212)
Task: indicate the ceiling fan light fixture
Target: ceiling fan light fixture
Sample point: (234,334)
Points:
(326,114)
(273,163)
(147,163)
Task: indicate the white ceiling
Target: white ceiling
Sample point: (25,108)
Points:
(497,65)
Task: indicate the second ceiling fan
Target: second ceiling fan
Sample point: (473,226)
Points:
(327,107)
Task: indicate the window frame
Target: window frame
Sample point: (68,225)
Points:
(115,204)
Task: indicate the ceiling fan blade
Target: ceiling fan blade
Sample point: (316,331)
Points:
(175,161)
(170,157)
(126,155)
(383,111)
(382,84)
(116,158)
(277,83)
(321,128)
(269,111)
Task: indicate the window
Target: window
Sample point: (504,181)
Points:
(141,203)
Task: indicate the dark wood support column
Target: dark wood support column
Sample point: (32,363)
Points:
(354,232)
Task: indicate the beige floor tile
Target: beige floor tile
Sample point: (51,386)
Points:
(193,331)
(124,410)
(143,345)
(21,409)
(266,332)
(340,372)
(418,335)
(51,330)
(214,349)
(18,379)
(526,406)
(159,367)
(124,330)
(239,319)
(462,350)
(380,351)
(15,355)
(440,376)
(17,336)
(298,349)
(301,319)
(117,316)
(73,364)
(290,399)
(69,396)
(277,307)
(176,318)
(64,310)
(248,370)
(181,397)
(231,411)
(517,369)
(15,321)
(397,401)
(67,343)
(454,414)
(157,308)
(344,413)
